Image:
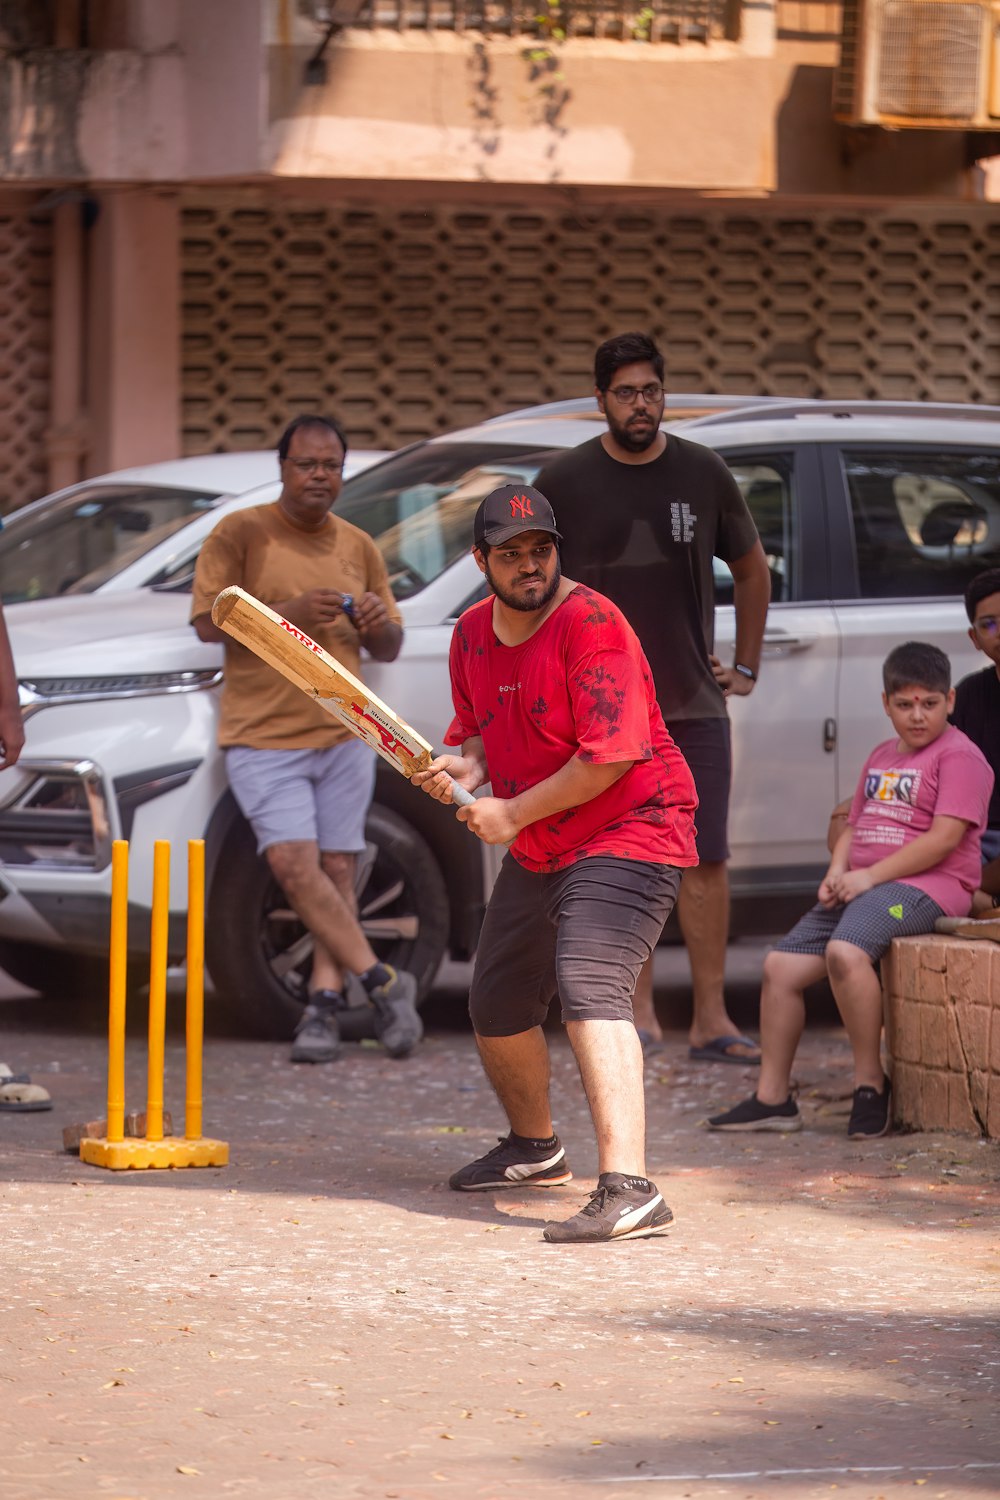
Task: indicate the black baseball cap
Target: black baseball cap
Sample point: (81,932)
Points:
(508,511)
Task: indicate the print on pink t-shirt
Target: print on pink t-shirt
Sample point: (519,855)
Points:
(899,794)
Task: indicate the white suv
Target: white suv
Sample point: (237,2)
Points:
(873,517)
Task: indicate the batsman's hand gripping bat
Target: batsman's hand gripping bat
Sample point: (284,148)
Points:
(296,656)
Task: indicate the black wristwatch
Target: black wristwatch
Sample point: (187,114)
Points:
(744,671)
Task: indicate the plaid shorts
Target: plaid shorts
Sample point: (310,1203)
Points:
(869,922)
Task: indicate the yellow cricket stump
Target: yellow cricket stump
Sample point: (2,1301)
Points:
(195,1150)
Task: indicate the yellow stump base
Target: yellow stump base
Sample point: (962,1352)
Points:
(138,1154)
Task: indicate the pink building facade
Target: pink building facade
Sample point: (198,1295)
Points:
(214,215)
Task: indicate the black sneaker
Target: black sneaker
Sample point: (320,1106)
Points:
(317,1036)
(622,1208)
(397,1023)
(513,1165)
(870,1113)
(752,1115)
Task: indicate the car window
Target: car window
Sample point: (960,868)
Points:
(924,522)
(73,545)
(766,483)
(419,507)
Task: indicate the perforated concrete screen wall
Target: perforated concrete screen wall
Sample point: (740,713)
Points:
(25,297)
(409,322)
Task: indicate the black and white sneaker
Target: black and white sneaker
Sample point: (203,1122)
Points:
(513,1164)
(397,1022)
(621,1208)
(751,1114)
(870,1113)
(317,1036)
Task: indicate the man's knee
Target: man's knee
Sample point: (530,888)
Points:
(293,863)
(339,868)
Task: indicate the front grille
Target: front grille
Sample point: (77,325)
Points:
(124,685)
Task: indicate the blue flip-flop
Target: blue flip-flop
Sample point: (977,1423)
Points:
(717,1051)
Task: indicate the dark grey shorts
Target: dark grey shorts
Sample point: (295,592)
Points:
(706,745)
(582,933)
(869,922)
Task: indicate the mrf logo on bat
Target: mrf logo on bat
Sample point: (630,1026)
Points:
(299,635)
(367,716)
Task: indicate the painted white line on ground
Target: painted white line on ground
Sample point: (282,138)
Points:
(800,1473)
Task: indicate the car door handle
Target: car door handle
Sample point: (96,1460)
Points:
(776,641)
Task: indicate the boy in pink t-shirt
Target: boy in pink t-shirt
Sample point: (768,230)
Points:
(910,853)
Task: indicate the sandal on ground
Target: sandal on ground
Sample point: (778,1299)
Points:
(717,1050)
(17,1097)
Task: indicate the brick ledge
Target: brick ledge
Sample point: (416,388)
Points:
(942,1023)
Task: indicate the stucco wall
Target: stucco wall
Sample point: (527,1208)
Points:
(619,114)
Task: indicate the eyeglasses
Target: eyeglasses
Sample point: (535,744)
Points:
(628,395)
(305,466)
(987,625)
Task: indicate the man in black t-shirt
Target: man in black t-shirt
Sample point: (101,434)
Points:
(642,514)
(977,714)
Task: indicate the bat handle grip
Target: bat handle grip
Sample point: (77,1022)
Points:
(461,796)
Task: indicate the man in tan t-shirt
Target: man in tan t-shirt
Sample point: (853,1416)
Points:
(302,780)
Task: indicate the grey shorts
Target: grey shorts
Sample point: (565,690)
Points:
(318,795)
(869,922)
(582,933)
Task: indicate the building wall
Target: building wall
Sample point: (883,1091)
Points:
(592,112)
(25,334)
(409,317)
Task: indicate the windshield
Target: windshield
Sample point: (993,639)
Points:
(75,544)
(419,506)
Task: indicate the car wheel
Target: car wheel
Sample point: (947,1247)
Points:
(259,954)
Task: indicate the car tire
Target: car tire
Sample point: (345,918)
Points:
(258,953)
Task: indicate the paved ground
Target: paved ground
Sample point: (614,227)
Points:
(324,1318)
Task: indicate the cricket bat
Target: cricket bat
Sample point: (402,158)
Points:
(299,658)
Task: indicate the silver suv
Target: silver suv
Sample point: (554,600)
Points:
(873,517)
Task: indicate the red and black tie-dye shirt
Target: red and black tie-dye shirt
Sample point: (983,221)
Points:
(579,686)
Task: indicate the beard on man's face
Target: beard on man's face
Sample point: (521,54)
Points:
(521,598)
(639,431)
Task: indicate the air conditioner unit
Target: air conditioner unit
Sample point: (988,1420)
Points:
(919,64)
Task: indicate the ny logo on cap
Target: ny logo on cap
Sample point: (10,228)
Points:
(520,507)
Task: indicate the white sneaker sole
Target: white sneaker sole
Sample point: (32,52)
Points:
(777,1125)
(524,1182)
(644,1232)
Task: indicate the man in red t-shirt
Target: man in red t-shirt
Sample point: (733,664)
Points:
(554,706)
